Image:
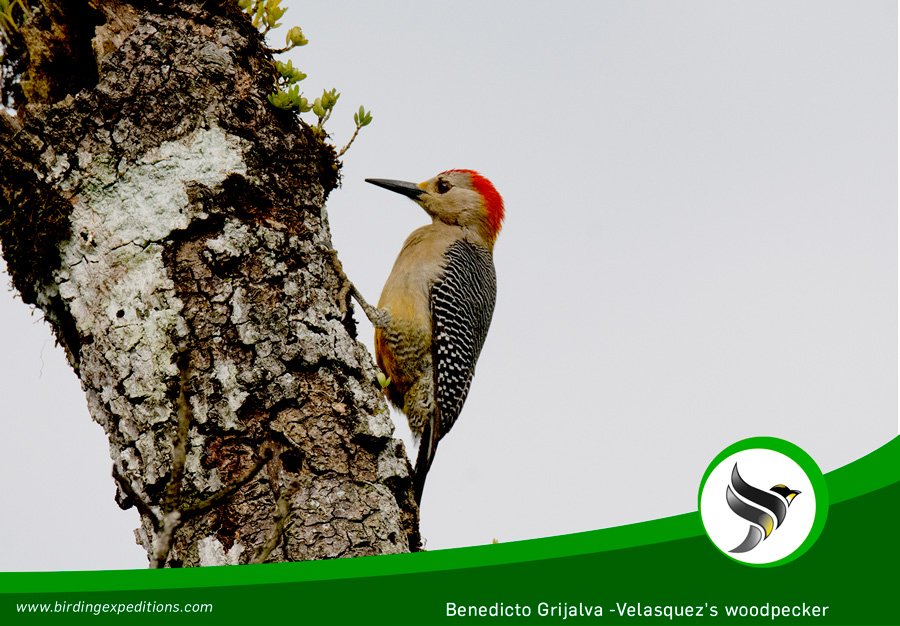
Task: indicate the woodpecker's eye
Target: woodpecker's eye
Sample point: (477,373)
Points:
(443,186)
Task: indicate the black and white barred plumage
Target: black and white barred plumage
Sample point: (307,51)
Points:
(462,304)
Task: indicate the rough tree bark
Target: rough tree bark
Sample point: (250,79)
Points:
(170,224)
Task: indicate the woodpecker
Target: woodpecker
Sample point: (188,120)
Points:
(436,306)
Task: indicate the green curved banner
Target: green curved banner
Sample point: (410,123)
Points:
(656,572)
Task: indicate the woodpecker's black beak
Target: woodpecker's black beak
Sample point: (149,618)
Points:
(410,190)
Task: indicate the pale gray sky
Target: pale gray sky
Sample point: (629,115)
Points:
(700,246)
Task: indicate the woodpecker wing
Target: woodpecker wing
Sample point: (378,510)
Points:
(462,303)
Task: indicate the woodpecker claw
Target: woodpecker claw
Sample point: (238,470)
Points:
(379,317)
(342,279)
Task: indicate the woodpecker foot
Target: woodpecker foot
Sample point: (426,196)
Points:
(346,285)
(379,317)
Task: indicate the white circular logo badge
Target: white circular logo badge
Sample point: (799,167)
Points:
(763,502)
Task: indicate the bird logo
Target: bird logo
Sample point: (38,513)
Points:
(765,510)
(741,523)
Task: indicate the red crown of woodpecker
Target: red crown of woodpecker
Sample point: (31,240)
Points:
(493,202)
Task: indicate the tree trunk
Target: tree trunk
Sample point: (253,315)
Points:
(170,224)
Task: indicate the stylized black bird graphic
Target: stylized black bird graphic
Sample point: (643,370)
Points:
(760,513)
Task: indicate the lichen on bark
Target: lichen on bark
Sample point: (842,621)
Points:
(171,225)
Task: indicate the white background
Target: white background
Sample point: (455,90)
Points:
(701,246)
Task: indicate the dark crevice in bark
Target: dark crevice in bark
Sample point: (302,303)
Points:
(36,223)
(61,60)
(49,55)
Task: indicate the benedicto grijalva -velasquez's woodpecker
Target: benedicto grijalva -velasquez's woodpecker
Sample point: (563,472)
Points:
(436,306)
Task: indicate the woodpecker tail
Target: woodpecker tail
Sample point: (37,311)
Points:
(427,448)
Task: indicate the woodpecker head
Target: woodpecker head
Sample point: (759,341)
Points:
(788,493)
(457,197)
